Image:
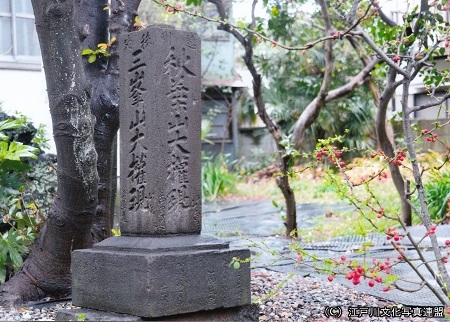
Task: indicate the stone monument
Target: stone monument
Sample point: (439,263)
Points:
(161,265)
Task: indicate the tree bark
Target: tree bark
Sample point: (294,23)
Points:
(83,208)
(388,148)
(92,23)
(103,78)
(384,139)
(47,269)
(283,180)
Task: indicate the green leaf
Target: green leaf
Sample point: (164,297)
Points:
(193,2)
(92,58)
(2,273)
(87,51)
(390,279)
(236,265)
(367,243)
(274,203)
(16,259)
(115,232)
(19,150)
(274,11)
(10,124)
(15,165)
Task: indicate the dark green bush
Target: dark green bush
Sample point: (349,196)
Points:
(437,193)
(27,185)
(217,179)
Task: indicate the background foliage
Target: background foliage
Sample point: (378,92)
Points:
(27,186)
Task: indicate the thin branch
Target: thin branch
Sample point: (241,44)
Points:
(356,81)
(353,12)
(357,22)
(233,28)
(382,15)
(379,51)
(311,112)
(409,290)
(431,104)
(225,26)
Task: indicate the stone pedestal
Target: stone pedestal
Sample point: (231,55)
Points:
(159,276)
(246,313)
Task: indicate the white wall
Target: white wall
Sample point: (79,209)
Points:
(26,91)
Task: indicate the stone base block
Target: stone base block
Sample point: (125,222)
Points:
(159,276)
(246,313)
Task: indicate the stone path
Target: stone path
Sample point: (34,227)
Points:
(244,223)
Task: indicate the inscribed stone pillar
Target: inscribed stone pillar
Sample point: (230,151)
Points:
(161,265)
(160,117)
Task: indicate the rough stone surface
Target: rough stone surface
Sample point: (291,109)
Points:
(160,122)
(161,265)
(241,313)
(93,315)
(181,277)
(161,245)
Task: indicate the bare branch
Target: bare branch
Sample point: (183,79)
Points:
(311,112)
(431,104)
(352,15)
(234,29)
(382,15)
(356,81)
(223,17)
(379,51)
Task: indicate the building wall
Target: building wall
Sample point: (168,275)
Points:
(26,91)
(253,141)
(443,134)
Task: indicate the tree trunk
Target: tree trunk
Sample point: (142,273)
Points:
(283,179)
(92,23)
(83,208)
(388,149)
(289,197)
(47,269)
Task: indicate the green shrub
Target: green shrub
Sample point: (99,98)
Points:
(26,186)
(437,193)
(217,179)
(258,160)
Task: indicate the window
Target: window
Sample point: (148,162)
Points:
(19,45)
(431,113)
(218,112)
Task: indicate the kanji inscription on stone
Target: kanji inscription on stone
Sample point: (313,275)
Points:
(160,120)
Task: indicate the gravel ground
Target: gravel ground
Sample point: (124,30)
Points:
(299,299)
(305,299)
